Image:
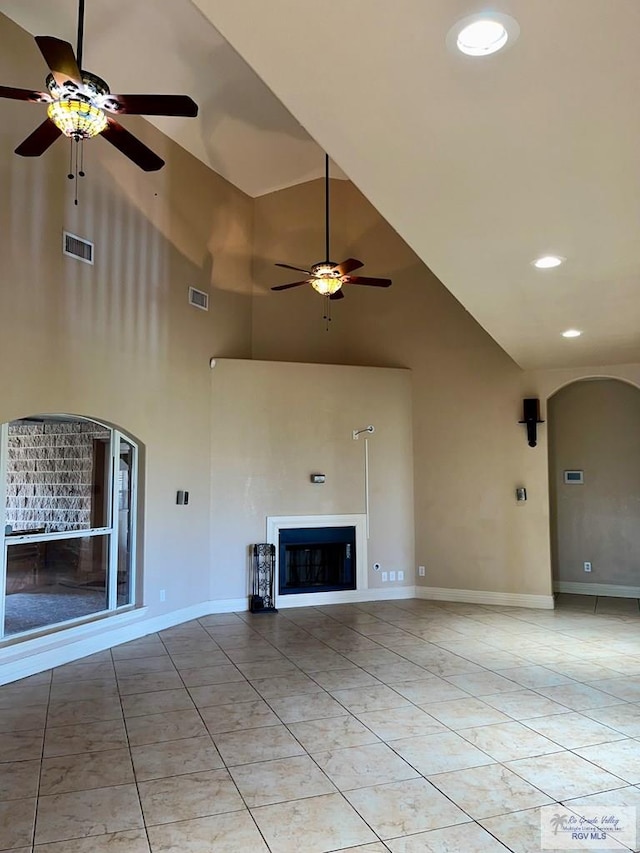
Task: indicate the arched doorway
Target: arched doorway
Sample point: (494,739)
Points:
(594,482)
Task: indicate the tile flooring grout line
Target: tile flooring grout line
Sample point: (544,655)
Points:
(133,768)
(44,737)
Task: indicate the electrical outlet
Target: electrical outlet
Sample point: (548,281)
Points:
(384,577)
(392,576)
(163,595)
(421,571)
(400,575)
(587,566)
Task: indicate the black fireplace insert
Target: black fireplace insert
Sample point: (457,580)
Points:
(316,559)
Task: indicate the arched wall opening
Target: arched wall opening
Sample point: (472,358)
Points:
(594,487)
(68,520)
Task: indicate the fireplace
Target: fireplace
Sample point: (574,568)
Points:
(316,559)
(320,559)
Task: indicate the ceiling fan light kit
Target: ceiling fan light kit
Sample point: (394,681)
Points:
(327,277)
(77,119)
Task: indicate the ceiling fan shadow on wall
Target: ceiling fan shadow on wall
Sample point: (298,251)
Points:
(327,277)
(78,102)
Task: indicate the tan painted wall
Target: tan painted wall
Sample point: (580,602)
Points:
(469,451)
(118,341)
(274,424)
(595,426)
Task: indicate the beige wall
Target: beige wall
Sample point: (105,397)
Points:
(469,452)
(118,341)
(595,426)
(274,424)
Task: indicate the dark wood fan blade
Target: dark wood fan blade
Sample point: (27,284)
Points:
(60,58)
(337,295)
(297,269)
(24,95)
(369,282)
(152,105)
(41,138)
(131,147)
(287,286)
(348,266)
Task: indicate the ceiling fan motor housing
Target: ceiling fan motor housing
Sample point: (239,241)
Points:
(326,269)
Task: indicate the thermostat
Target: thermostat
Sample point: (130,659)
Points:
(573,478)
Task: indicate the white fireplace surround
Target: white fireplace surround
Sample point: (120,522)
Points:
(286,522)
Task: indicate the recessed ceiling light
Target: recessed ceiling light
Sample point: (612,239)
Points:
(571,333)
(483,34)
(547,262)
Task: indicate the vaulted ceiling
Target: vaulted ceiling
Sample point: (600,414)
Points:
(481,164)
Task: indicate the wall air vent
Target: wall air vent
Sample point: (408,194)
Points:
(76,247)
(199,299)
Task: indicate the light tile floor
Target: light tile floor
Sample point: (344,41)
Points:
(394,726)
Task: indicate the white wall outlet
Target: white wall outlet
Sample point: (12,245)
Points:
(587,566)
(163,595)
(401,575)
(392,576)
(421,571)
(384,577)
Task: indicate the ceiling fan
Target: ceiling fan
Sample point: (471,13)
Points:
(327,277)
(79,100)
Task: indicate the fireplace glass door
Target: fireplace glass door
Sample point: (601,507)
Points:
(316,559)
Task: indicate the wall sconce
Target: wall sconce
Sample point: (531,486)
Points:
(531,417)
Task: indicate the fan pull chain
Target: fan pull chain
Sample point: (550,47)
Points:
(75,170)
(71,176)
(75,200)
(327,312)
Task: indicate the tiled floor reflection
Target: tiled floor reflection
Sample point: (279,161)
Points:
(393,726)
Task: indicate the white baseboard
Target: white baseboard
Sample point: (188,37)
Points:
(29,657)
(352,596)
(605,589)
(22,659)
(479,596)
(26,658)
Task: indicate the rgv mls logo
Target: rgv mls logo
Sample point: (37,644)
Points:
(587,827)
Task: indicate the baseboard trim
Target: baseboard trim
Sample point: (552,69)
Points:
(605,589)
(323,599)
(32,656)
(479,596)
(46,652)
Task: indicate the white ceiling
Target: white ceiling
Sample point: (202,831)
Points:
(480,164)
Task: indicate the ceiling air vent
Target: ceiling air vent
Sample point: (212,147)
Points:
(76,247)
(199,299)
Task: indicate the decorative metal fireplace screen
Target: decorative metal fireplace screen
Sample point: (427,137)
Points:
(316,559)
(262,575)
